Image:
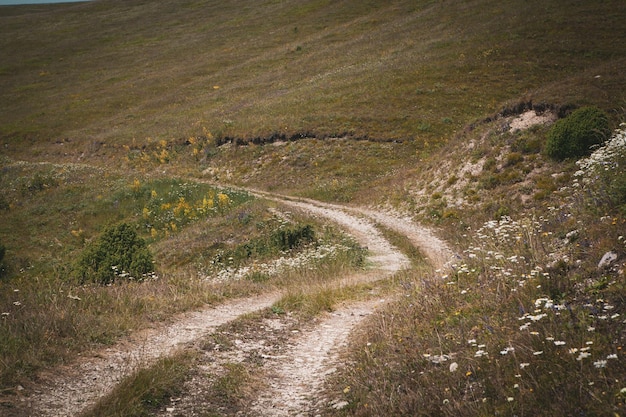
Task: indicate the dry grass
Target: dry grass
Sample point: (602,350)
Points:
(524,322)
(153,87)
(53,211)
(395,71)
(498,334)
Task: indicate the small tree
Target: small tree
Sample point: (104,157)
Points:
(118,253)
(573,136)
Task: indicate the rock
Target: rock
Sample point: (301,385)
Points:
(607,259)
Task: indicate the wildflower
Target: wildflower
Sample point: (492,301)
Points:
(507,350)
(454,366)
(600,364)
(559,342)
(524,326)
(509,399)
(540,352)
(17,303)
(612,356)
(583,355)
(480,353)
(523,365)
(591,329)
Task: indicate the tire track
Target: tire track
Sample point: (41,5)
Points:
(298,374)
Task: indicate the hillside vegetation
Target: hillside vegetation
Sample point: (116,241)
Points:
(148,115)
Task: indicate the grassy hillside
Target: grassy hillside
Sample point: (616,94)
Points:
(124,111)
(117,72)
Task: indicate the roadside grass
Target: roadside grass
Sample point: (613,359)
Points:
(497,334)
(523,322)
(231,384)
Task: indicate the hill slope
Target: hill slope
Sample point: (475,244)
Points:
(125,111)
(118,71)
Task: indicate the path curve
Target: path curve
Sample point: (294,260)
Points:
(74,388)
(297,376)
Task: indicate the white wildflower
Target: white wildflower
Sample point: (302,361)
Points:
(480,353)
(600,364)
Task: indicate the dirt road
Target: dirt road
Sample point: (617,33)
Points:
(296,374)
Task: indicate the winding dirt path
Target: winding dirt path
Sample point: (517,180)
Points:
(297,373)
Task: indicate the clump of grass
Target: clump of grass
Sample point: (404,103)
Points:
(148,390)
(231,388)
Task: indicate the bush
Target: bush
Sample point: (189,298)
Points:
(574,136)
(288,238)
(118,253)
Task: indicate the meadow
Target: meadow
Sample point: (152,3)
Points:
(155,114)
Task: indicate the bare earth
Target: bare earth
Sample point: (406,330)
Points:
(297,367)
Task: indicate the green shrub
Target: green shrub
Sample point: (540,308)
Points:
(289,238)
(118,253)
(573,136)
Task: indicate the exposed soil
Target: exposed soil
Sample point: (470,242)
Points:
(296,357)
